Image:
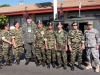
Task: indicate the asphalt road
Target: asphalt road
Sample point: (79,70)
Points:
(32,69)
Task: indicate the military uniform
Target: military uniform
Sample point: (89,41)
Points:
(76,39)
(7,48)
(28,38)
(61,38)
(51,53)
(39,44)
(92,39)
(16,34)
(1,49)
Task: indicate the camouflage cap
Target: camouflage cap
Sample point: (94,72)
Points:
(90,23)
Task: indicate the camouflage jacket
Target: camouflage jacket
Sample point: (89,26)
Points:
(28,32)
(61,38)
(17,36)
(50,38)
(75,37)
(0,39)
(92,38)
(7,35)
(39,39)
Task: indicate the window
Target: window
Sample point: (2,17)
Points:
(11,21)
(38,18)
(18,19)
(45,18)
(89,15)
(23,20)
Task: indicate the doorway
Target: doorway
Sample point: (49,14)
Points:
(65,27)
(83,26)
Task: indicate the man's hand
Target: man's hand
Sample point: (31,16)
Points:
(46,47)
(56,48)
(23,42)
(34,45)
(83,47)
(10,43)
(70,48)
(66,48)
(14,46)
(97,47)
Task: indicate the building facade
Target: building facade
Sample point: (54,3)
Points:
(44,11)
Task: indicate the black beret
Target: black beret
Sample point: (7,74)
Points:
(6,24)
(15,23)
(49,24)
(59,23)
(74,23)
(38,22)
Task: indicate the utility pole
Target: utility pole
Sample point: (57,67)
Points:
(54,9)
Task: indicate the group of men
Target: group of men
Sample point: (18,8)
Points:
(45,45)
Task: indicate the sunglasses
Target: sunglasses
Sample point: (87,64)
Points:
(74,25)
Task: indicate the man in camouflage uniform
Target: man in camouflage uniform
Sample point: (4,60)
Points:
(61,41)
(17,42)
(76,45)
(28,38)
(0,50)
(39,44)
(92,42)
(7,44)
(50,43)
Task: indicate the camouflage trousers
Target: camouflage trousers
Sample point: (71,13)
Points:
(1,54)
(51,55)
(29,50)
(92,52)
(62,57)
(76,51)
(40,52)
(18,52)
(7,54)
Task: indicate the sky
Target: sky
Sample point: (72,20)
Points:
(16,2)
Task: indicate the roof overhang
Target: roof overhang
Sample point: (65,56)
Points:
(95,7)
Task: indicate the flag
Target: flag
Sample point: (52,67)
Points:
(61,13)
(80,4)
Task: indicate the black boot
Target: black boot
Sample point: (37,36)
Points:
(18,61)
(38,63)
(53,64)
(80,67)
(72,67)
(43,63)
(1,64)
(27,61)
(34,59)
(65,67)
(48,66)
(0,67)
(8,63)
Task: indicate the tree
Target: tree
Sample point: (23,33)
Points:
(3,20)
(5,5)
